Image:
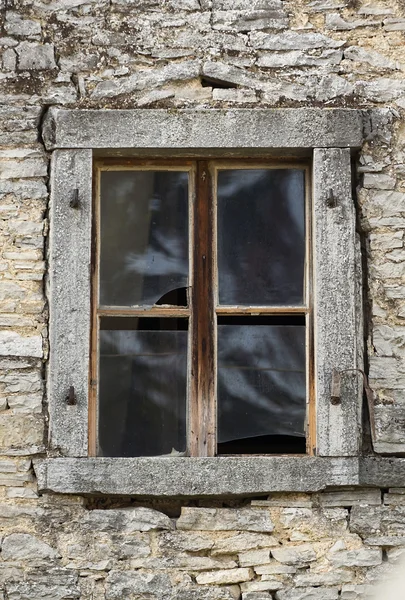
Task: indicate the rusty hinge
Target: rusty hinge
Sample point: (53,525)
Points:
(71,399)
(331,199)
(75,202)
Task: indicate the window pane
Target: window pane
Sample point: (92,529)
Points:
(261,236)
(142,391)
(261,386)
(144,237)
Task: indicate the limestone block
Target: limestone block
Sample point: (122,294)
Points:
(337,23)
(396,499)
(355,592)
(189,542)
(379,181)
(287,500)
(17,169)
(294,555)
(21,382)
(227,576)
(275,568)
(394,24)
(21,189)
(147,79)
(19,492)
(183,562)
(243,542)
(21,433)
(208,593)
(35,57)
(254,557)
(272,584)
(28,403)
(311,593)
(249,20)
(9,59)
(383,89)
(291,40)
(385,540)
(325,5)
(127,520)
(256,596)
(374,59)
(335,577)
(390,422)
(23,546)
(364,557)
(238,96)
(386,241)
(19,27)
(143,586)
(350,497)
(298,58)
(224,519)
(13,344)
(135,546)
(49,584)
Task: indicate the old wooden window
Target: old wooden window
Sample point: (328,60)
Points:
(202,321)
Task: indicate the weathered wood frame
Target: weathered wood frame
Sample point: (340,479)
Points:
(326,136)
(203,288)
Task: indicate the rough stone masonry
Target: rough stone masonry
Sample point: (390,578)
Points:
(195,54)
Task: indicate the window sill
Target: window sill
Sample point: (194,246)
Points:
(210,477)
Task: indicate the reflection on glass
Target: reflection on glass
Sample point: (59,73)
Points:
(144,236)
(261,387)
(142,392)
(261,236)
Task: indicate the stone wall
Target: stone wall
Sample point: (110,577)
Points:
(290,547)
(195,53)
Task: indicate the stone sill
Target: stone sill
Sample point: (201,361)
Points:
(214,477)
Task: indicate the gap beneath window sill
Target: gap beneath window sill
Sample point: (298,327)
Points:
(213,477)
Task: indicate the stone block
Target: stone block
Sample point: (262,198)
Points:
(287,500)
(275,568)
(223,519)
(143,586)
(314,579)
(379,181)
(187,542)
(243,541)
(251,558)
(249,20)
(183,562)
(272,584)
(127,520)
(15,25)
(35,57)
(291,40)
(299,556)
(310,593)
(350,497)
(21,434)
(14,344)
(208,593)
(225,577)
(364,557)
(26,547)
(355,592)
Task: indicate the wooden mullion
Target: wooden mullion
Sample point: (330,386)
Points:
(202,440)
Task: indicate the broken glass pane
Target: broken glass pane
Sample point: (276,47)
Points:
(142,391)
(144,236)
(261,385)
(261,236)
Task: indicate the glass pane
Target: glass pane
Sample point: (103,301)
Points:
(261,386)
(261,236)
(142,391)
(144,236)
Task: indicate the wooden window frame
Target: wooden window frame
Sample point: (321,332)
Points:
(326,137)
(204,307)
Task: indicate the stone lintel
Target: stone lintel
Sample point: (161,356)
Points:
(242,129)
